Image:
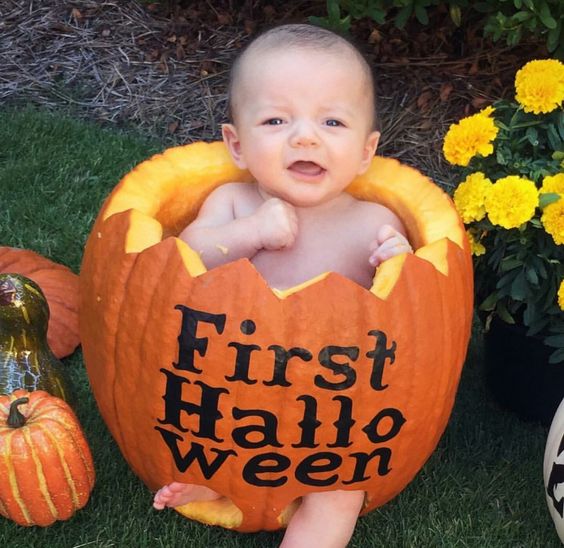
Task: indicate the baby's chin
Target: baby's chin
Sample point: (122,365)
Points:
(309,198)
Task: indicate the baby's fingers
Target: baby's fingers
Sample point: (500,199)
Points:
(390,248)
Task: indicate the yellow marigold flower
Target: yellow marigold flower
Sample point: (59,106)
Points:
(539,85)
(561,295)
(476,247)
(553,183)
(470,195)
(553,221)
(511,201)
(472,135)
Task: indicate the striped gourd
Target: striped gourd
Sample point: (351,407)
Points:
(46,468)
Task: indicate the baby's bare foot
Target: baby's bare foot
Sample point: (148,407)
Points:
(177,494)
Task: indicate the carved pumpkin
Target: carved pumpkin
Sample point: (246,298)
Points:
(26,361)
(46,469)
(554,471)
(60,287)
(267,395)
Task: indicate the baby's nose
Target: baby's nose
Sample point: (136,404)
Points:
(304,135)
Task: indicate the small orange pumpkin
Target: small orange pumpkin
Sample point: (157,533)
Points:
(46,469)
(267,395)
(60,286)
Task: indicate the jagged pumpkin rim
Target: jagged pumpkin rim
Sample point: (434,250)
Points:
(165,192)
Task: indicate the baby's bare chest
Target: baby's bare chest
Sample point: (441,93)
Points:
(325,245)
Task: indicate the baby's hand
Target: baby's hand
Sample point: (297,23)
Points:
(277,224)
(388,243)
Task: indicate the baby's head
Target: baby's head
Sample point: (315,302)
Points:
(302,108)
(304,39)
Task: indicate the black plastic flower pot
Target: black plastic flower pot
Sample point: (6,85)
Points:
(519,375)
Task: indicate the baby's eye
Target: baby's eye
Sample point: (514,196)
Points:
(334,123)
(273,122)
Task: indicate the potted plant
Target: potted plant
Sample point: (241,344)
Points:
(510,158)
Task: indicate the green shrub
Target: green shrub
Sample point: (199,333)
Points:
(508,19)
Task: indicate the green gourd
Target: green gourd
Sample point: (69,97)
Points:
(26,361)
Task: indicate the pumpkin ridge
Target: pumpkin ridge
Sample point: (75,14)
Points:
(57,414)
(14,487)
(39,473)
(166,265)
(115,385)
(68,476)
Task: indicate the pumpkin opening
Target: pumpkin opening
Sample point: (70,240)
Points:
(164,200)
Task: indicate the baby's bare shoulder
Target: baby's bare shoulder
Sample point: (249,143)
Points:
(374,213)
(231,190)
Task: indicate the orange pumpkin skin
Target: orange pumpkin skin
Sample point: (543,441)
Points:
(46,468)
(362,405)
(60,286)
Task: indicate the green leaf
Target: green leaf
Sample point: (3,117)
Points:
(334,10)
(377,14)
(557,341)
(532,136)
(520,287)
(521,16)
(553,37)
(518,3)
(456,15)
(554,138)
(421,14)
(509,263)
(500,156)
(532,275)
(504,313)
(403,15)
(547,198)
(546,17)
(507,279)
(557,356)
(513,36)
(489,302)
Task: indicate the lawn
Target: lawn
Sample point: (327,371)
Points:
(482,487)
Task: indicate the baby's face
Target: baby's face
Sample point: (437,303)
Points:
(303,123)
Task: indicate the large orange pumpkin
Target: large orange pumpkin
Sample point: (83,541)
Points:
(46,469)
(263,395)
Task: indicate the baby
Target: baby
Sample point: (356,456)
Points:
(302,104)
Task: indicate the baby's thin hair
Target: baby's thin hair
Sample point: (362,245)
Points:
(304,36)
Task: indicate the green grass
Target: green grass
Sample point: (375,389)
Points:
(481,488)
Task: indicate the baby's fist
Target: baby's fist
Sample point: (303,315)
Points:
(388,243)
(277,224)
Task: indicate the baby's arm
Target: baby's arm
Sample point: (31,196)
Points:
(220,237)
(388,243)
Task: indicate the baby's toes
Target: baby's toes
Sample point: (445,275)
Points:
(161,498)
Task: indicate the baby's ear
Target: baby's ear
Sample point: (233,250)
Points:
(369,150)
(231,139)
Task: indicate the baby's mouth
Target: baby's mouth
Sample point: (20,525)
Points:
(308,169)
